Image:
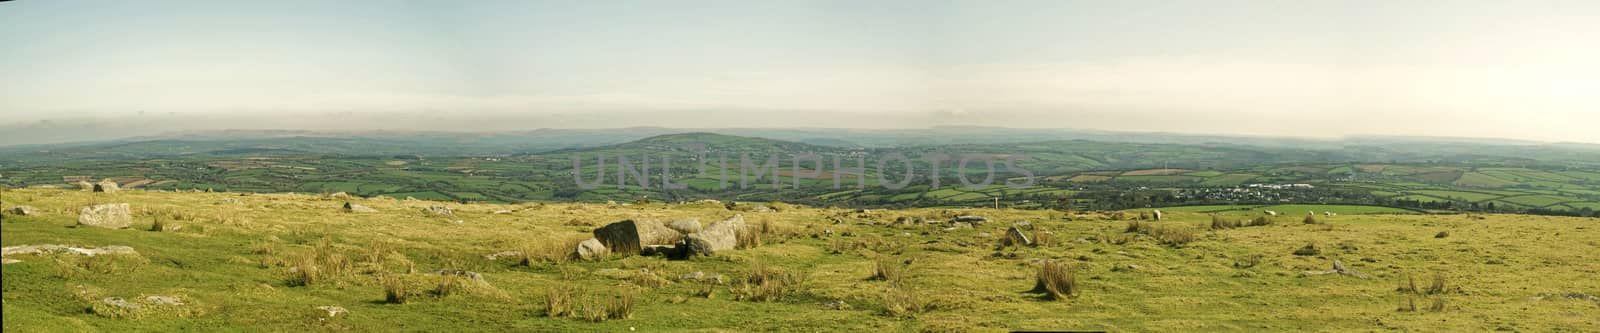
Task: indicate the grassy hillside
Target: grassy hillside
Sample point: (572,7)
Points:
(240,266)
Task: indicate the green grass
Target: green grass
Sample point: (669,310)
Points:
(216,263)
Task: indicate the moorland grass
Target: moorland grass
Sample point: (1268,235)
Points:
(235,264)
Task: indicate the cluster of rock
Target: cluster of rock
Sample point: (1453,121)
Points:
(679,239)
(439,210)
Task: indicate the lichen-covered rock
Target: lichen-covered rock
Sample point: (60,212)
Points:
(590,249)
(720,236)
(333,311)
(1014,236)
(111,216)
(685,226)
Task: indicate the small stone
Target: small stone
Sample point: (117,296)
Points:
(164,300)
(971,219)
(355,208)
(503,254)
(590,249)
(22,211)
(333,311)
(119,302)
(695,276)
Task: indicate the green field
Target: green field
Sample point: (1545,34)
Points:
(1538,200)
(1458,195)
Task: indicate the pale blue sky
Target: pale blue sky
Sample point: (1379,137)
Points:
(1306,68)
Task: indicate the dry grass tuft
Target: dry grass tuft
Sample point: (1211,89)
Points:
(648,279)
(396,290)
(1309,250)
(1219,223)
(554,251)
(1409,286)
(620,307)
(767,284)
(705,289)
(1043,238)
(904,303)
(1174,235)
(1436,286)
(449,284)
(1139,226)
(1409,306)
(558,301)
(747,238)
(1248,261)
(884,269)
(1056,281)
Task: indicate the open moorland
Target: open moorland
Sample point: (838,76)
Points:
(302,262)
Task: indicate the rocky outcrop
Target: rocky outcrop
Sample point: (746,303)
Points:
(111,216)
(630,236)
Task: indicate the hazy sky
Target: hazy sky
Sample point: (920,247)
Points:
(1514,69)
